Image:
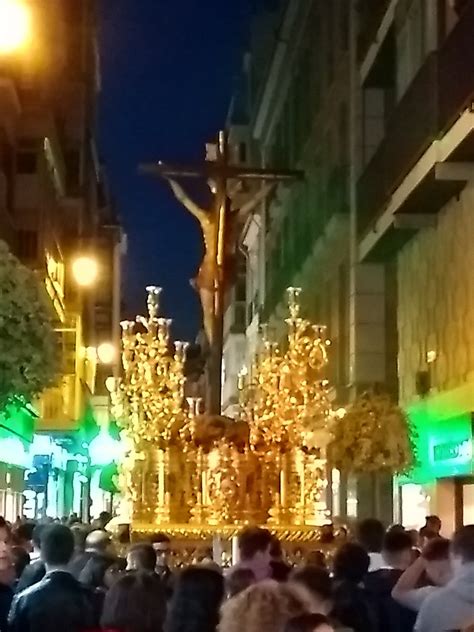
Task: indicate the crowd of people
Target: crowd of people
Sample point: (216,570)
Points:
(70,578)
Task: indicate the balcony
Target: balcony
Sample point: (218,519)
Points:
(441,91)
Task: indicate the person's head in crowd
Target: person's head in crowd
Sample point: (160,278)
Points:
(399,528)
(162,545)
(205,555)
(255,546)
(104,518)
(36,539)
(326,535)
(98,542)
(20,559)
(434,524)
(341,534)
(276,550)
(317,581)
(238,581)
(196,601)
(370,535)
(5,531)
(415,537)
(397,549)
(23,535)
(264,607)
(309,623)
(123,534)
(74,519)
(351,563)
(462,547)
(80,534)
(437,560)
(135,603)
(5,546)
(115,571)
(426,534)
(279,568)
(316,558)
(141,557)
(57,546)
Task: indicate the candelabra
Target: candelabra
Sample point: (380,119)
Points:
(148,404)
(286,404)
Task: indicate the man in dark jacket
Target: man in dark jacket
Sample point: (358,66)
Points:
(162,546)
(58,603)
(397,556)
(352,606)
(89,568)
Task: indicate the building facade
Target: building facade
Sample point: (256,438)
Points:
(373,102)
(414,216)
(54,208)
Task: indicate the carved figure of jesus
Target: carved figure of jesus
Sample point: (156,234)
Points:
(205,281)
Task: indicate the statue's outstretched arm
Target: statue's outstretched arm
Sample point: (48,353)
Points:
(260,196)
(186,201)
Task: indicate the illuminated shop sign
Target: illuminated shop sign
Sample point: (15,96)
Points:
(444,448)
(453,451)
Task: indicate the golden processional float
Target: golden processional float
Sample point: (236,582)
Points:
(202,478)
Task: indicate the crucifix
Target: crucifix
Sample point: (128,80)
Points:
(219,225)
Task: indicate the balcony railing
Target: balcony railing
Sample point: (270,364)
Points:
(410,130)
(438,94)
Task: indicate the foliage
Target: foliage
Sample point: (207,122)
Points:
(374,436)
(28,349)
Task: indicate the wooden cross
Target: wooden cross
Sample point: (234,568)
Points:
(219,227)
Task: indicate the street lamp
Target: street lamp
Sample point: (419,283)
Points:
(106,353)
(85,270)
(15,26)
(104,449)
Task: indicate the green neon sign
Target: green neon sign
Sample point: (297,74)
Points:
(452,451)
(444,447)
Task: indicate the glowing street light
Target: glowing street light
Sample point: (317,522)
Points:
(106,353)
(15,26)
(85,269)
(104,449)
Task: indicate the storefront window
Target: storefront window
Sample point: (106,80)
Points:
(415,505)
(468,503)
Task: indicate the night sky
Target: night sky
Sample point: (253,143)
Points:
(168,70)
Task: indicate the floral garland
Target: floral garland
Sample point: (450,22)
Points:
(374,436)
(28,345)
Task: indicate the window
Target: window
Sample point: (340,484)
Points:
(26,162)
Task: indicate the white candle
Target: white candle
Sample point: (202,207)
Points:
(204,487)
(283,488)
(161,478)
